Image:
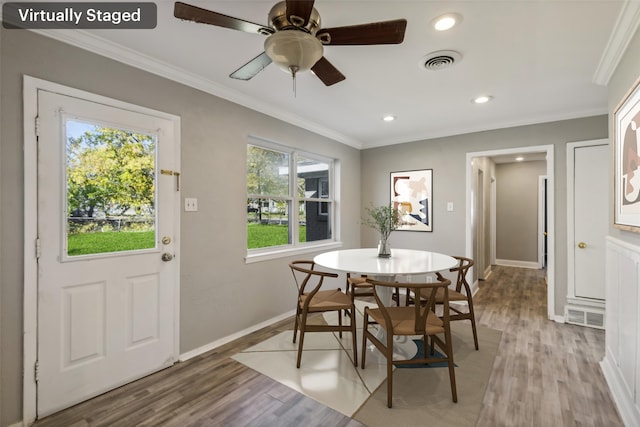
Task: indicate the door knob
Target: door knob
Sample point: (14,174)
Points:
(167,257)
(582,245)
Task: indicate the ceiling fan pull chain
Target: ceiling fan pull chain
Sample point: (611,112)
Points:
(293,69)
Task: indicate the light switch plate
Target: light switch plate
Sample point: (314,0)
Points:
(450,207)
(190,204)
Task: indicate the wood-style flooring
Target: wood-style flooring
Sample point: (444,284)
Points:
(545,374)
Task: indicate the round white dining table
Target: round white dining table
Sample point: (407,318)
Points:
(401,262)
(405,262)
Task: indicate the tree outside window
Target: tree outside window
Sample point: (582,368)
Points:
(110,189)
(284,189)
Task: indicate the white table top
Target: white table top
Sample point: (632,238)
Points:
(402,261)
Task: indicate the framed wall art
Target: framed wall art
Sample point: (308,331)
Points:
(626,141)
(412,195)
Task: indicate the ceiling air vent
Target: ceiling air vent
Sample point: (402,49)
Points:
(440,60)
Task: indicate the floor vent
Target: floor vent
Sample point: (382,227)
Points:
(593,318)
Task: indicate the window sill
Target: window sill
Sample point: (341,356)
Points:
(283,253)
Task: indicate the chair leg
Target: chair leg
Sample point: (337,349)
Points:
(300,349)
(354,336)
(346,312)
(364,337)
(473,324)
(340,325)
(389,378)
(295,326)
(303,325)
(452,373)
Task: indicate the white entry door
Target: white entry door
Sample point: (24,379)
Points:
(107,230)
(590,220)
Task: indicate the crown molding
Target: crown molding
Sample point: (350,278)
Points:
(623,31)
(449,132)
(87,41)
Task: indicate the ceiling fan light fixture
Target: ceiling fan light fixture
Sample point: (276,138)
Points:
(293,50)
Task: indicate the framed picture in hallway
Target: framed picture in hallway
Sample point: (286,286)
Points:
(626,140)
(412,195)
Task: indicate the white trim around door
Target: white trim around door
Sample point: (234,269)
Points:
(31,87)
(548,149)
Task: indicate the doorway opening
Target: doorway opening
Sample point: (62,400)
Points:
(483,160)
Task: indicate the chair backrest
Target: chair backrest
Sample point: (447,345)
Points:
(426,291)
(308,280)
(464,264)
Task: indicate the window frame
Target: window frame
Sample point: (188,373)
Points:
(294,200)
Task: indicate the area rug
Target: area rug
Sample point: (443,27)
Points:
(421,397)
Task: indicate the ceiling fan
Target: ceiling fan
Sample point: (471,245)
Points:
(295,39)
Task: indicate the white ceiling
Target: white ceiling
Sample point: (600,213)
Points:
(537,59)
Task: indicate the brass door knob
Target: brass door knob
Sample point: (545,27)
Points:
(582,245)
(167,257)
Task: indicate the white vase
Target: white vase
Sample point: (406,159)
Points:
(384,249)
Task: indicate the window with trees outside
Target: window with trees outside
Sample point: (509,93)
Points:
(289,197)
(110,189)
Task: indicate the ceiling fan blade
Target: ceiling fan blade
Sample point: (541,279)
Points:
(326,72)
(301,9)
(251,68)
(386,32)
(204,16)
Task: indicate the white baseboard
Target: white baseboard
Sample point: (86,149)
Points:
(621,395)
(18,424)
(217,343)
(516,263)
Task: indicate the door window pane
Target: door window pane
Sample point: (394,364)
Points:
(111,191)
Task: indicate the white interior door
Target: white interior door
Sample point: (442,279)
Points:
(107,230)
(590,220)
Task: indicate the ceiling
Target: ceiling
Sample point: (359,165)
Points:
(539,60)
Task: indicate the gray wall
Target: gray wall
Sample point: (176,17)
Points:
(447,158)
(216,284)
(517,210)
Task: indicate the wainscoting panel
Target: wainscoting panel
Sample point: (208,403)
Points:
(621,364)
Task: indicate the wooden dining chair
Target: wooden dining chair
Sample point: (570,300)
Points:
(313,299)
(458,295)
(358,286)
(464,264)
(418,319)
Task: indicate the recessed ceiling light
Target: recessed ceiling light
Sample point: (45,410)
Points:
(446,21)
(482,99)
(389,118)
(519,158)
